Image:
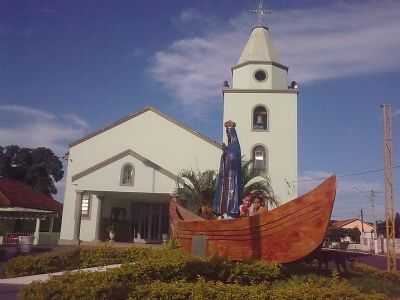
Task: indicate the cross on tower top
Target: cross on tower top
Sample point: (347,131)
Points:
(260,12)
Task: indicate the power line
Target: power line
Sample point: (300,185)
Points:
(347,175)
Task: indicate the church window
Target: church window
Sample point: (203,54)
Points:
(259,157)
(260,75)
(85,204)
(127,174)
(260,118)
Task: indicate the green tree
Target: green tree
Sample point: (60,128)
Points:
(39,167)
(382,226)
(335,234)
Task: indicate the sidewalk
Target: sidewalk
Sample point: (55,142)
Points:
(44,277)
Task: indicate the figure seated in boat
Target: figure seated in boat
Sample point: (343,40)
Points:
(245,206)
(252,204)
(257,206)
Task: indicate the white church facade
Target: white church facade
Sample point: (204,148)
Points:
(123,174)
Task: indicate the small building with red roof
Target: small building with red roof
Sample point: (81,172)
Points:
(22,209)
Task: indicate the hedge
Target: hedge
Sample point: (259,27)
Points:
(293,289)
(75,258)
(110,286)
(118,283)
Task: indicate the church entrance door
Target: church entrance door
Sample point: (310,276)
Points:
(149,221)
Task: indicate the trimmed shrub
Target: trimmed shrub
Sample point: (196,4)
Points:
(169,266)
(78,258)
(199,290)
(176,276)
(294,289)
(315,288)
(42,263)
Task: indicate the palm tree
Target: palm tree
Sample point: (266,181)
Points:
(196,189)
(253,182)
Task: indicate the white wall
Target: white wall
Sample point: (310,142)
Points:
(89,224)
(280,140)
(243,77)
(146,178)
(151,136)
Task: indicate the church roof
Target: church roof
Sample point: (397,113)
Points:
(259,47)
(146,109)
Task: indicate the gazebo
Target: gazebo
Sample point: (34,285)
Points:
(20,203)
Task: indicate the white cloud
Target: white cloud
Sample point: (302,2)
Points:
(321,43)
(35,128)
(189,15)
(60,186)
(40,128)
(27,111)
(396,113)
(75,119)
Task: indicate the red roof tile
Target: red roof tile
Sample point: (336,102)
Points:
(17,194)
(341,223)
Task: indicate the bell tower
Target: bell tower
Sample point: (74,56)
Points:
(264,108)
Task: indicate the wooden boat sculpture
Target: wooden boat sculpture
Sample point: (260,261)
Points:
(284,234)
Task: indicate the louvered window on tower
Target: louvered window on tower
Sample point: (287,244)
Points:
(259,160)
(85,204)
(260,118)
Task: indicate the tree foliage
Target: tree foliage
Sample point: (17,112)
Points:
(335,234)
(381,227)
(39,167)
(196,188)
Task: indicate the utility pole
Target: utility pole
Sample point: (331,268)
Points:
(362,223)
(372,199)
(389,188)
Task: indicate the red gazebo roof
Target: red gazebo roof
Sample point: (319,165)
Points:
(17,194)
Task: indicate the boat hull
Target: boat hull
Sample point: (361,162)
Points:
(284,234)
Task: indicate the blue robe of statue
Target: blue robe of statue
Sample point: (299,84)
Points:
(229,182)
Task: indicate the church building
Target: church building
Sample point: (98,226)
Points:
(122,176)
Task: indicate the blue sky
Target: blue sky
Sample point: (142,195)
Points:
(70,67)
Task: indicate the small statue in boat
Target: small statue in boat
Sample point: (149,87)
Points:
(252,204)
(245,206)
(229,181)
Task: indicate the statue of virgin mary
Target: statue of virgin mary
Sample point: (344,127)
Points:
(226,200)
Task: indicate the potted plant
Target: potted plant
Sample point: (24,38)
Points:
(111,232)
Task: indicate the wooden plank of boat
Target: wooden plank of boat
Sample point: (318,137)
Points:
(284,234)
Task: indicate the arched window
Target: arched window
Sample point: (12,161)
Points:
(259,157)
(127,174)
(260,118)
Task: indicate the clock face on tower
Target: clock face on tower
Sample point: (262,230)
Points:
(260,75)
